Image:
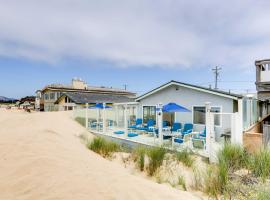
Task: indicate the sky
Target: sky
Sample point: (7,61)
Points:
(142,43)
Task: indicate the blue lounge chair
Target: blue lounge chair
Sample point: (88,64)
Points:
(176,127)
(165,124)
(150,123)
(137,124)
(203,133)
(188,127)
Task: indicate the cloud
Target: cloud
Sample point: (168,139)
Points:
(148,33)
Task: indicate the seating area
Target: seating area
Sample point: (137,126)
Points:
(177,134)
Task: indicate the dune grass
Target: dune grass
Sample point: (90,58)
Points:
(103,147)
(182,182)
(139,157)
(185,157)
(261,164)
(156,156)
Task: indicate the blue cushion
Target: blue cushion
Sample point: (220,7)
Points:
(119,132)
(132,134)
(178,140)
(187,127)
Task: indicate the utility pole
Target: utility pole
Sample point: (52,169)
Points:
(125,86)
(216,71)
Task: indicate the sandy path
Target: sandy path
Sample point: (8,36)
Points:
(41,157)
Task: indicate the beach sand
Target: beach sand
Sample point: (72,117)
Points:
(42,157)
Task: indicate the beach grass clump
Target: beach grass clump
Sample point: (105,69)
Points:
(156,156)
(234,156)
(182,182)
(197,181)
(213,183)
(185,157)
(261,164)
(139,157)
(103,147)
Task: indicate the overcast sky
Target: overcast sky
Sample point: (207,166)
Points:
(159,39)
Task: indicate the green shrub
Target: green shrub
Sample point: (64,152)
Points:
(139,157)
(156,156)
(261,164)
(103,147)
(185,157)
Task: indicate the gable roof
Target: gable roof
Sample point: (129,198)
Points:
(191,86)
(83,98)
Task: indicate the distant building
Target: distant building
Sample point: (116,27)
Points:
(47,98)
(263,84)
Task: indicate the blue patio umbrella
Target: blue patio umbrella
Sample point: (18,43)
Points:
(99,106)
(173,107)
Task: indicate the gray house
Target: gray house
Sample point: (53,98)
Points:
(194,98)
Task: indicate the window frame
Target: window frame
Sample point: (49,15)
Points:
(214,106)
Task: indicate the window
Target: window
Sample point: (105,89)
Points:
(149,112)
(52,96)
(199,115)
(46,96)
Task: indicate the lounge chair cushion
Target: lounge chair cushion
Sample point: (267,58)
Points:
(119,132)
(178,140)
(132,134)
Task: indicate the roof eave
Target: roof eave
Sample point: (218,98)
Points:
(186,86)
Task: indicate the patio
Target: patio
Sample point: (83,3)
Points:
(119,117)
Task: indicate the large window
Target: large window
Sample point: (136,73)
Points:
(52,96)
(199,115)
(149,112)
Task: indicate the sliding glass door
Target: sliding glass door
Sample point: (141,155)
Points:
(149,112)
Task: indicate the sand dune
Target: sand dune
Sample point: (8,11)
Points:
(41,157)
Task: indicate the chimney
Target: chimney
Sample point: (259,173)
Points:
(78,83)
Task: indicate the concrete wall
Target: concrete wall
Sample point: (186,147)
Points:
(189,98)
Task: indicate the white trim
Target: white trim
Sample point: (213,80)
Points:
(214,106)
(186,86)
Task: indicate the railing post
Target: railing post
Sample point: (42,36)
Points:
(159,123)
(125,120)
(86,115)
(208,128)
(104,119)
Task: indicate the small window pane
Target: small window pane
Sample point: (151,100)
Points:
(199,115)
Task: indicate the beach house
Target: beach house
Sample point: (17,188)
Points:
(71,95)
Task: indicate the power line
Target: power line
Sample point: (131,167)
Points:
(216,71)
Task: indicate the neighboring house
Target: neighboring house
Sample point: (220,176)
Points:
(27,102)
(70,100)
(194,98)
(47,97)
(263,84)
